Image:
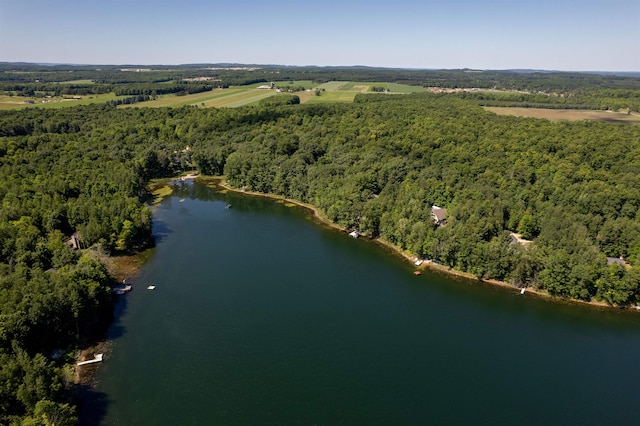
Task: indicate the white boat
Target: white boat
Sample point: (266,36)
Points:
(151,287)
(522,290)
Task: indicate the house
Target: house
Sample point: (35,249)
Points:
(438,214)
(616,260)
(74,241)
(517,239)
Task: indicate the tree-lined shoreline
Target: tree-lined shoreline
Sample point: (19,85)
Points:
(219,182)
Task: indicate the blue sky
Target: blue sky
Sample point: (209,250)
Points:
(572,35)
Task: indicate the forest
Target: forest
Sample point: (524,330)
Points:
(377,165)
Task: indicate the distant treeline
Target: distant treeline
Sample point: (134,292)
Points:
(609,99)
(29,78)
(164,89)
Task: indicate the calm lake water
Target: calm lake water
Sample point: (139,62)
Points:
(261,316)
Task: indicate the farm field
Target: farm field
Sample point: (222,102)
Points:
(329,97)
(334,91)
(19,102)
(307,84)
(404,88)
(232,97)
(345,91)
(84,82)
(567,114)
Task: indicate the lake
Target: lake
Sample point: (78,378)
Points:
(260,315)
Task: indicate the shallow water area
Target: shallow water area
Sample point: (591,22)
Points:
(261,316)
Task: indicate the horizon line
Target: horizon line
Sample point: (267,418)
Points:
(74,64)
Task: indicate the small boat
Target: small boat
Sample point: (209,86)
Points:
(151,287)
(522,290)
(417,273)
(182,200)
(228,206)
(418,262)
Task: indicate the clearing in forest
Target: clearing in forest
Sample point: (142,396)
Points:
(232,97)
(567,114)
(330,96)
(18,102)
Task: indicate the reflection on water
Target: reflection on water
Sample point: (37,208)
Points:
(260,316)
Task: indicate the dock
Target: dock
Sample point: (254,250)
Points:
(97,358)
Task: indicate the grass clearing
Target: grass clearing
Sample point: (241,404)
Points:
(83,82)
(241,99)
(307,84)
(19,102)
(357,86)
(404,88)
(567,114)
(333,86)
(217,98)
(193,99)
(327,97)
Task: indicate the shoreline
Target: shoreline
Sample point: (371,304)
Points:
(128,267)
(426,264)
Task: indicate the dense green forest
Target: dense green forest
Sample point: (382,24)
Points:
(377,165)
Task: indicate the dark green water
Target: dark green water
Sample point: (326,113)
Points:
(261,316)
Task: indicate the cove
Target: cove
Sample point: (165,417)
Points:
(261,316)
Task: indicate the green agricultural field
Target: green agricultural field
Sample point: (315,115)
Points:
(333,91)
(307,84)
(82,82)
(404,88)
(194,99)
(351,85)
(329,97)
(241,99)
(19,102)
(333,86)
(217,98)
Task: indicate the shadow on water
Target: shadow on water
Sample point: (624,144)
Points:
(93,404)
(160,231)
(117,329)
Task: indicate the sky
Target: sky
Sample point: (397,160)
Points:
(567,35)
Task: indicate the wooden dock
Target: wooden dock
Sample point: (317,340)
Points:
(97,358)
